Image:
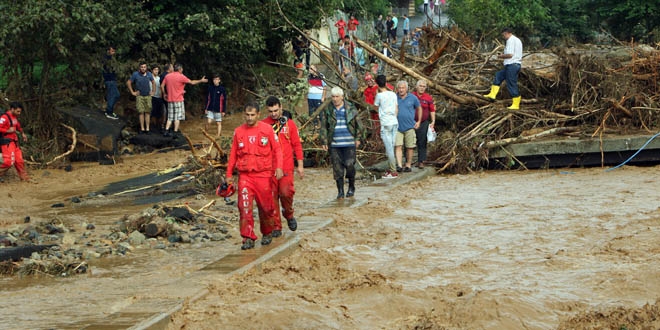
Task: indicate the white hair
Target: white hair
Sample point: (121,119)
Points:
(420,82)
(402,82)
(337,91)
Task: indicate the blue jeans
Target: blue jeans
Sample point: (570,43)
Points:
(510,75)
(313,105)
(112,96)
(388,135)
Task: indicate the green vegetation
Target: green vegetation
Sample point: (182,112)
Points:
(52,50)
(565,20)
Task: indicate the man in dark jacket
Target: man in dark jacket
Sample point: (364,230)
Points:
(340,133)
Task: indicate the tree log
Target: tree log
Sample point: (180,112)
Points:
(156,228)
(444,91)
(19,252)
(503,142)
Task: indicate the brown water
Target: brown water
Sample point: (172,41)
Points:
(494,250)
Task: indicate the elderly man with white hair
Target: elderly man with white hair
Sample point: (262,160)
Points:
(340,133)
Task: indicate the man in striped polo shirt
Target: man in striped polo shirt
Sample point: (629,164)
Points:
(341,131)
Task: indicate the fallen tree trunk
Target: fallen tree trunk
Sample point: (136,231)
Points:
(19,252)
(444,91)
(503,142)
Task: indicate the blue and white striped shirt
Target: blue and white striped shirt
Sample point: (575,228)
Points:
(342,137)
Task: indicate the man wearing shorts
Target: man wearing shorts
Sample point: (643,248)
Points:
(172,88)
(216,103)
(408,106)
(146,86)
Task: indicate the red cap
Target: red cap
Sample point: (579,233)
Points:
(368,77)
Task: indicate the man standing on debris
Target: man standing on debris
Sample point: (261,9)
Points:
(11,152)
(409,109)
(287,134)
(427,119)
(256,154)
(173,87)
(146,87)
(110,81)
(340,133)
(512,61)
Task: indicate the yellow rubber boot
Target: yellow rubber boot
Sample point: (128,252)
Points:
(494,89)
(515,103)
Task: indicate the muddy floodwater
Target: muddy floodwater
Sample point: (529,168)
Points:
(490,250)
(493,250)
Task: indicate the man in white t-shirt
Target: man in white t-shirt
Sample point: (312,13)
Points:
(386,103)
(512,57)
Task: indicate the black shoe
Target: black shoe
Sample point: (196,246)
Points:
(293,224)
(140,132)
(399,169)
(175,135)
(247,244)
(276,233)
(147,132)
(407,169)
(266,239)
(167,134)
(112,116)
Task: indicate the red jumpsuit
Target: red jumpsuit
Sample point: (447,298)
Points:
(254,152)
(291,146)
(341,25)
(11,153)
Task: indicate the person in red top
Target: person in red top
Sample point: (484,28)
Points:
(11,152)
(289,138)
(341,25)
(352,25)
(256,154)
(370,96)
(428,118)
(172,88)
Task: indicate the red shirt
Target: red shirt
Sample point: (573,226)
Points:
(370,94)
(5,125)
(254,151)
(289,141)
(428,106)
(352,24)
(175,84)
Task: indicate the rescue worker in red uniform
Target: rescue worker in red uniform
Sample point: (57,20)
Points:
(11,152)
(257,155)
(287,133)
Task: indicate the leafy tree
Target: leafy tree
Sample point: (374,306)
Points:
(488,17)
(53,48)
(628,18)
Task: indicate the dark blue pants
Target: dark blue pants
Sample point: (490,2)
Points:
(112,96)
(510,75)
